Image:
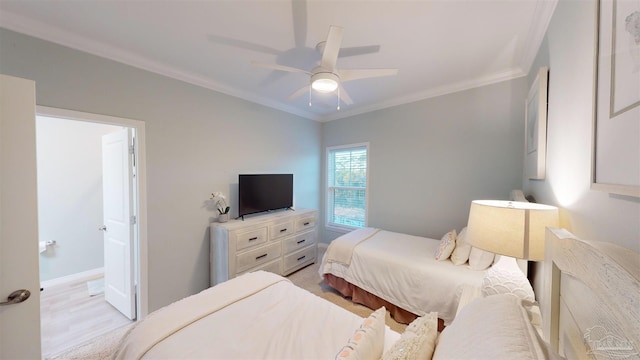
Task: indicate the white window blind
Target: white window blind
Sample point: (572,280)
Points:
(347,186)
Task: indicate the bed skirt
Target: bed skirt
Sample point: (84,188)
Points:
(363,297)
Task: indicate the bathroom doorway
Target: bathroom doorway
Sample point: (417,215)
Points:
(77,268)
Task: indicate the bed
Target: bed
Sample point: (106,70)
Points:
(376,267)
(264,316)
(256,315)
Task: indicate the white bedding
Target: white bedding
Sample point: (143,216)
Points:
(265,317)
(402,269)
(342,251)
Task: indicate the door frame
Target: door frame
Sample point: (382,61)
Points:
(141,184)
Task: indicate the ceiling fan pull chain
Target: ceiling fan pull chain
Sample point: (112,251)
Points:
(309,96)
(338,108)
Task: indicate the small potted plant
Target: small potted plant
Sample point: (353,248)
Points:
(221,204)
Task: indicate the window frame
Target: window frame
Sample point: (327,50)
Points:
(341,227)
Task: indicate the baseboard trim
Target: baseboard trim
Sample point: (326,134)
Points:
(72,277)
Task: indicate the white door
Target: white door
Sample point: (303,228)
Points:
(117,190)
(19,267)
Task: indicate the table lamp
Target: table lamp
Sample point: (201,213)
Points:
(511,228)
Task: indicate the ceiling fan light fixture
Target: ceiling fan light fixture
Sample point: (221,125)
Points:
(324,82)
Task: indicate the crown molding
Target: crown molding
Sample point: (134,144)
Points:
(539,24)
(55,35)
(11,21)
(432,93)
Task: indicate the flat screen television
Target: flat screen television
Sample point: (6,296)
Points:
(264,192)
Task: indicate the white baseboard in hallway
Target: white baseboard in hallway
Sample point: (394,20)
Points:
(73,277)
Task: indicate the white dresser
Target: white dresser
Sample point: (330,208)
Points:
(280,242)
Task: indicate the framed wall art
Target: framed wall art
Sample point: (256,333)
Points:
(616,120)
(536,126)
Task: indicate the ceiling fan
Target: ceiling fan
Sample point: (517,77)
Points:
(326,77)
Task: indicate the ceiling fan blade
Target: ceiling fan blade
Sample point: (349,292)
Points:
(331,48)
(358,50)
(243,44)
(274,77)
(299,12)
(354,74)
(344,96)
(298,93)
(279,67)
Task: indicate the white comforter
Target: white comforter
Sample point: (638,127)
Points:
(402,269)
(255,316)
(342,251)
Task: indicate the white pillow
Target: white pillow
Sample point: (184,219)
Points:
(447,244)
(460,254)
(368,341)
(417,341)
(495,327)
(505,277)
(480,259)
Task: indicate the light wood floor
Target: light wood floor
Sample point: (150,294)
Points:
(69,316)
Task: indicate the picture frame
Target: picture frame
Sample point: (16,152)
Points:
(616,99)
(536,126)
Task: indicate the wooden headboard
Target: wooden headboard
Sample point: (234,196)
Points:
(592,308)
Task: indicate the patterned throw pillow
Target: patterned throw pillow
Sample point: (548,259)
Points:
(447,244)
(417,341)
(460,254)
(505,277)
(368,341)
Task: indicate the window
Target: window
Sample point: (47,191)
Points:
(347,170)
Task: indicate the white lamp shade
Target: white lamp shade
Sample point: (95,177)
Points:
(510,228)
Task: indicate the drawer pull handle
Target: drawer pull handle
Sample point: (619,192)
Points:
(253,238)
(305,224)
(301,241)
(261,256)
(283,230)
(302,257)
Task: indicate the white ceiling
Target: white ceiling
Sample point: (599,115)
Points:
(439,46)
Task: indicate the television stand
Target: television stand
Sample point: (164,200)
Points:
(280,242)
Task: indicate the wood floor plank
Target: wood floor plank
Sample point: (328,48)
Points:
(70,316)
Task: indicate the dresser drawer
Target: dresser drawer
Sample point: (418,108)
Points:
(250,238)
(277,231)
(255,257)
(300,257)
(273,266)
(308,222)
(299,241)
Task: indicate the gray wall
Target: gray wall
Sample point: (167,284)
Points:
(69,155)
(430,159)
(198,141)
(568,50)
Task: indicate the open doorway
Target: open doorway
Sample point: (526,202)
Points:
(89,263)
